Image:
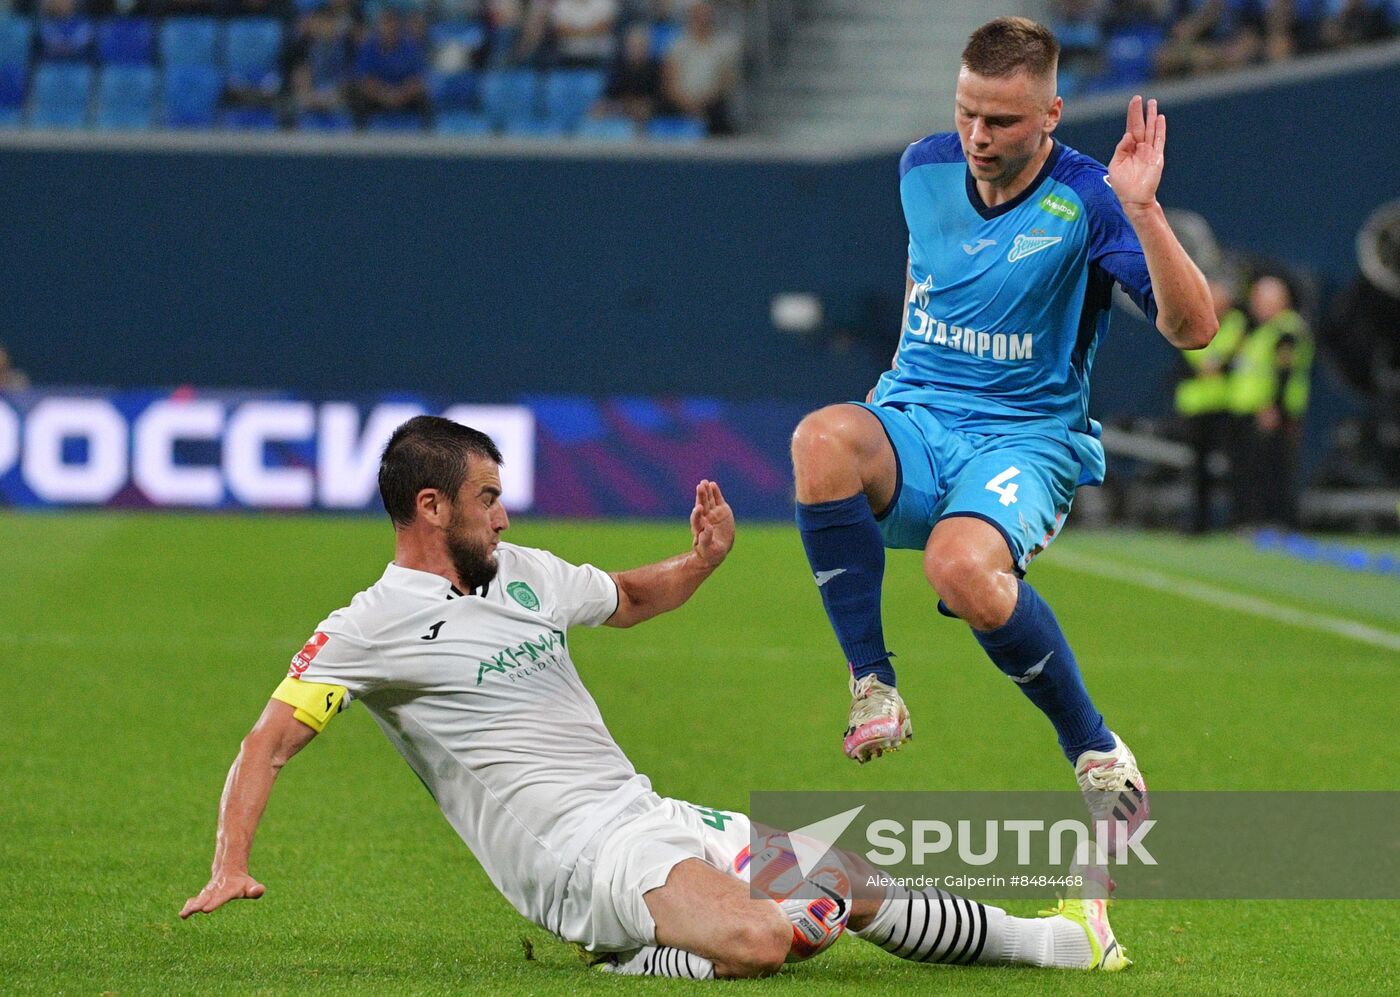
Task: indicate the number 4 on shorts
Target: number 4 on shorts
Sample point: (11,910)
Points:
(1000,486)
(715,818)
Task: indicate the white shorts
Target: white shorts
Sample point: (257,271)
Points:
(604,909)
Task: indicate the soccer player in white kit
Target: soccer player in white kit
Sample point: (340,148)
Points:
(460,653)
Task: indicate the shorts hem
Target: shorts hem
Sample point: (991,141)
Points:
(1011,547)
(880,517)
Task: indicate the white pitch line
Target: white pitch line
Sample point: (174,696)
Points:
(1211,595)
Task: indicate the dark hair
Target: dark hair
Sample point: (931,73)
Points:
(1010,45)
(427,451)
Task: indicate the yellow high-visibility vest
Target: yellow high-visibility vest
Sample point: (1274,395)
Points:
(1207,390)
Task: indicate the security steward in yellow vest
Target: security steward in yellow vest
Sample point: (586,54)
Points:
(1268,397)
(1203,398)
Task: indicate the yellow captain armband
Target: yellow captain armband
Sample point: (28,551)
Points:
(315,703)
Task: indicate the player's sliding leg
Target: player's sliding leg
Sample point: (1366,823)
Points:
(937,927)
(968,563)
(845,469)
(708,925)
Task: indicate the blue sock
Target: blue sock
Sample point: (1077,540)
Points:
(1031,649)
(847,554)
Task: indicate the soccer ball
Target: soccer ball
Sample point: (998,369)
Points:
(818,904)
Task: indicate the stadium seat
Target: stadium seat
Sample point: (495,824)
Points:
(307,6)
(12,87)
(676,129)
(663,36)
(509,94)
(609,129)
(249,119)
(189,41)
(252,53)
(126,98)
(570,93)
(462,123)
(533,128)
(60,95)
(191,95)
(11,117)
(126,41)
(1128,55)
(325,121)
(16,37)
(453,91)
(394,122)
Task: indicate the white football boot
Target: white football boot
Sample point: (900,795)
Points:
(879,720)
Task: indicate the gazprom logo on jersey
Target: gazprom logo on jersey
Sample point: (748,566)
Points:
(225,450)
(924,328)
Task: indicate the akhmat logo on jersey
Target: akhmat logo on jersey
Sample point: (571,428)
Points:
(301,661)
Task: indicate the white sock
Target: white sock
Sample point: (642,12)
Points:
(662,960)
(934,926)
(1048,942)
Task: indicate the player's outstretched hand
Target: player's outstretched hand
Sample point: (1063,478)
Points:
(221,889)
(1136,167)
(711,524)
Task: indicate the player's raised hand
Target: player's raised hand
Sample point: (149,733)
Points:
(1136,167)
(221,889)
(711,524)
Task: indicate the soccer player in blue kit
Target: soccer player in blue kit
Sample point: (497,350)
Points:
(970,448)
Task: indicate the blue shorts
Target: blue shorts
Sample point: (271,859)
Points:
(1022,484)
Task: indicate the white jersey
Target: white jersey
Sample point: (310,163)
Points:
(479,695)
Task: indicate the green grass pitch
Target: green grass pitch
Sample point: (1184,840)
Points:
(136,650)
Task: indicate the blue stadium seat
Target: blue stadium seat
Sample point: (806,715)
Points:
(533,128)
(249,119)
(307,6)
(1128,55)
(663,36)
(189,41)
(676,129)
(509,94)
(12,86)
(325,121)
(11,117)
(462,123)
(252,53)
(453,91)
(191,95)
(126,98)
(609,129)
(60,95)
(126,40)
(394,122)
(569,94)
(16,37)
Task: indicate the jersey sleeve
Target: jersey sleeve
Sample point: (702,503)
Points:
(337,655)
(573,594)
(1113,245)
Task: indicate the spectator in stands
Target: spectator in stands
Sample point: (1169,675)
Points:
(390,68)
(584,32)
(701,72)
(64,33)
(635,84)
(322,57)
(1356,22)
(1269,386)
(11,378)
(1214,35)
(511,38)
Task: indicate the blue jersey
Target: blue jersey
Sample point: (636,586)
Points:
(1009,302)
